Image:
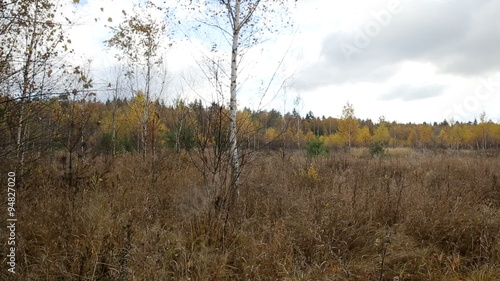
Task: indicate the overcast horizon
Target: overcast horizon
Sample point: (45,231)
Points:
(409,61)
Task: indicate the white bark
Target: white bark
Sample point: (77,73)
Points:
(235,160)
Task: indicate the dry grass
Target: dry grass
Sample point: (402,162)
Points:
(359,152)
(399,151)
(427,216)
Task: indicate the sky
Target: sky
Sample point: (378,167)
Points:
(405,60)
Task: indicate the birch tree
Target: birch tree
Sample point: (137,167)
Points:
(348,125)
(32,42)
(242,24)
(140,38)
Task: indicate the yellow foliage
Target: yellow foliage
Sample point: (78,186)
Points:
(364,137)
(444,138)
(309,136)
(382,134)
(348,128)
(246,126)
(311,175)
(270,134)
(334,140)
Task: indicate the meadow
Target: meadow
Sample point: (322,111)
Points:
(410,215)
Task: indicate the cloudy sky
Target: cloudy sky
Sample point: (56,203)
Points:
(407,60)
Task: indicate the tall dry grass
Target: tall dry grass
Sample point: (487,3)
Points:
(416,216)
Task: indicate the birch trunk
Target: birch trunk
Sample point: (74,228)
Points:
(27,88)
(115,113)
(235,161)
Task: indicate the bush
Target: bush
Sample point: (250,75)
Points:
(316,147)
(377,149)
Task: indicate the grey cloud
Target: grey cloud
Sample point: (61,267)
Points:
(413,92)
(460,37)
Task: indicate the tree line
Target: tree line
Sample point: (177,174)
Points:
(78,126)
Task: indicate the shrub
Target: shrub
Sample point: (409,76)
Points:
(377,149)
(316,147)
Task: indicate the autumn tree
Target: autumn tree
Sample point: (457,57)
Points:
(382,133)
(399,134)
(496,134)
(242,25)
(140,39)
(482,131)
(348,125)
(32,43)
(116,86)
(364,137)
(443,138)
(457,136)
(425,135)
(248,128)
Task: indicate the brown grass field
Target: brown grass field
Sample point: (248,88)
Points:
(408,216)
